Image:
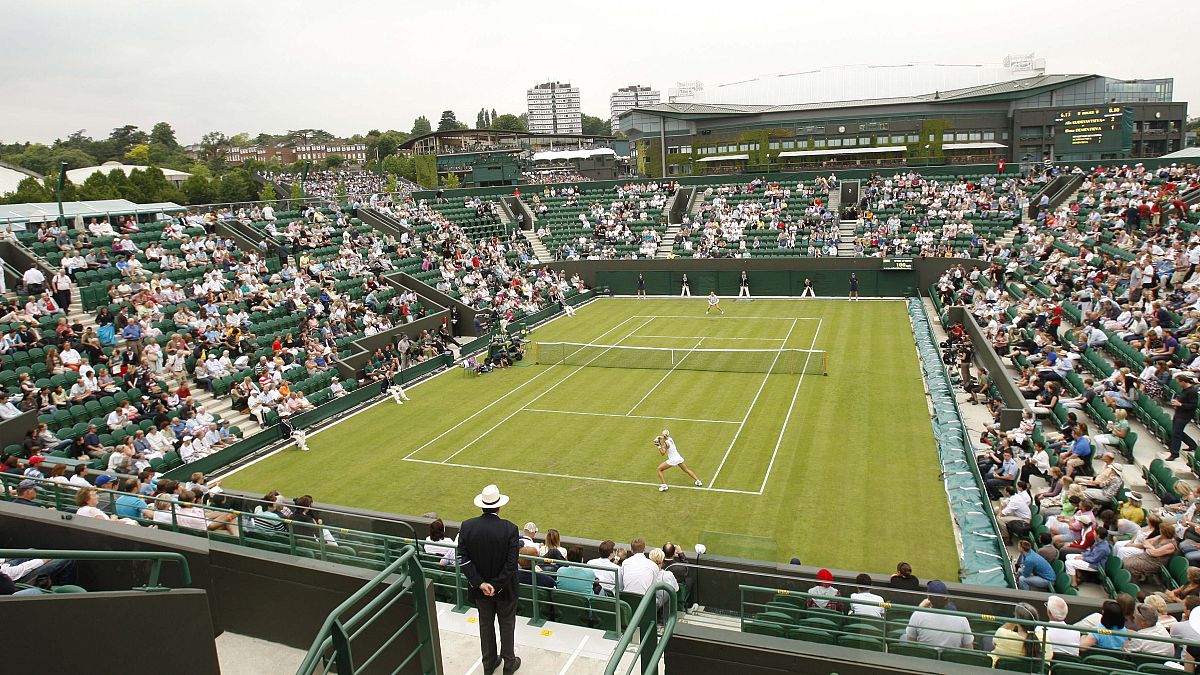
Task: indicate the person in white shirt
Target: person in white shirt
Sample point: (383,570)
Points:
(34,280)
(1145,618)
(864,593)
(1064,639)
(1015,509)
(7,410)
(638,573)
(607,578)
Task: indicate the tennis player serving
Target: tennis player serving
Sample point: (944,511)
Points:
(666,446)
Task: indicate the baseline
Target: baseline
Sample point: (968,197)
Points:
(712,337)
(636,417)
(574,477)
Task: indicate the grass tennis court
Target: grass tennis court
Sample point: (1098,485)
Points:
(839,470)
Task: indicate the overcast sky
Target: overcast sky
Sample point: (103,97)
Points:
(355,65)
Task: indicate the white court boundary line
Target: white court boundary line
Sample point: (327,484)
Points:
(454,368)
(574,477)
(535,399)
(501,398)
(754,401)
(709,337)
(664,377)
(719,318)
(636,417)
(787,418)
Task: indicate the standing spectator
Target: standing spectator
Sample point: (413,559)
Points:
(488,550)
(1185,410)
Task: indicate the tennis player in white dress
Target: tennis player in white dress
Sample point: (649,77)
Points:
(666,446)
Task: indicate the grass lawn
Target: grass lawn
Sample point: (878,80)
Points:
(847,479)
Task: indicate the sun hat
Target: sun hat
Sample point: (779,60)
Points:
(490,498)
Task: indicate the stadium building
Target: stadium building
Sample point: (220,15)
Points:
(489,157)
(1059,117)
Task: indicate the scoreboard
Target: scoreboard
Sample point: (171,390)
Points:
(1094,129)
(891,263)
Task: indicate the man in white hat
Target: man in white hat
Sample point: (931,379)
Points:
(488,548)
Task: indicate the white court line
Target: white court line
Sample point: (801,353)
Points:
(788,417)
(753,402)
(474,666)
(574,655)
(717,318)
(640,417)
(536,398)
(664,377)
(506,395)
(710,337)
(591,478)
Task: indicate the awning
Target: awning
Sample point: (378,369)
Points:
(552,155)
(987,145)
(844,151)
(723,158)
(47,211)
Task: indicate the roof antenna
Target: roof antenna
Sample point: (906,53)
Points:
(937,95)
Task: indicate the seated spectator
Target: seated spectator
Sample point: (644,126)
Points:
(1145,621)
(1015,641)
(939,630)
(1033,571)
(863,592)
(577,579)
(903,578)
(528,574)
(638,573)
(657,557)
(441,545)
(130,504)
(606,579)
(269,513)
(824,587)
(1062,639)
(1112,619)
(1091,560)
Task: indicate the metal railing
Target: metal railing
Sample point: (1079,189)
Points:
(650,650)
(156,559)
(327,543)
(332,649)
(798,615)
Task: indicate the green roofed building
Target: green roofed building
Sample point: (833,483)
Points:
(1060,117)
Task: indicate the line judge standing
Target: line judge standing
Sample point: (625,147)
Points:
(487,548)
(744,286)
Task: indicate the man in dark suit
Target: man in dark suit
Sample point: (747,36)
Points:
(1185,403)
(487,549)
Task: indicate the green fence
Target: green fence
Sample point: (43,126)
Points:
(652,645)
(333,648)
(784,282)
(154,558)
(881,626)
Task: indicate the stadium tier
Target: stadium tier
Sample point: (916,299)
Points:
(1056,329)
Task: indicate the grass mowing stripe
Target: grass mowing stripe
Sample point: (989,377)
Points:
(791,407)
(506,395)
(755,400)
(547,391)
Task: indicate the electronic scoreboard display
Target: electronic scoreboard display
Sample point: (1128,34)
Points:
(897,264)
(1094,129)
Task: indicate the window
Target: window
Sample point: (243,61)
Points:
(788,145)
(975,136)
(850,142)
(946,137)
(865,140)
(961,136)
(913,138)
(819,143)
(989,135)
(773,145)
(836,142)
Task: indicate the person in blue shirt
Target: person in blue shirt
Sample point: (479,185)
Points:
(1090,560)
(1079,454)
(131,504)
(1034,573)
(132,332)
(576,579)
(1112,619)
(1002,475)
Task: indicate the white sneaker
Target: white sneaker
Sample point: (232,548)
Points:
(662,488)
(699,483)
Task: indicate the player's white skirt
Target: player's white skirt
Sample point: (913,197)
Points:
(674,460)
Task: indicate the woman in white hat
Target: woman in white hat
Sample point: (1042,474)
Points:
(666,446)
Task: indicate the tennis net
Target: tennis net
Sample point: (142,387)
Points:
(782,361)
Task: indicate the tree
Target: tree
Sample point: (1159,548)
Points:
(421,126)
(333,160)
(297,191)
(594,126)
(237,186)
(124,138)
(164,135)
(213,143)
(492,117)
(391,186)
(267,193)
(241,140)
(507,122)
(451,181)
(449,122)
(97,187)
(138,154)
(339,192)
(30,190)
(481,119)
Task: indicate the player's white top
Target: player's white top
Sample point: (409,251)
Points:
(673,456)
(712,299)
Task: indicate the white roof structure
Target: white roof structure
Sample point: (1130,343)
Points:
(78,176)
(1186,153)
(47,211)
(556,155)
(985,145)
(723,158)
(844,151)
(10,178)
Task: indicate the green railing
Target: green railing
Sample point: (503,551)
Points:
(357,548)
(644,621)
(788,614)
(155,558)
(333,647)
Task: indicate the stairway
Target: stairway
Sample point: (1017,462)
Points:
(539,249)
(222,407)
(668,241)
